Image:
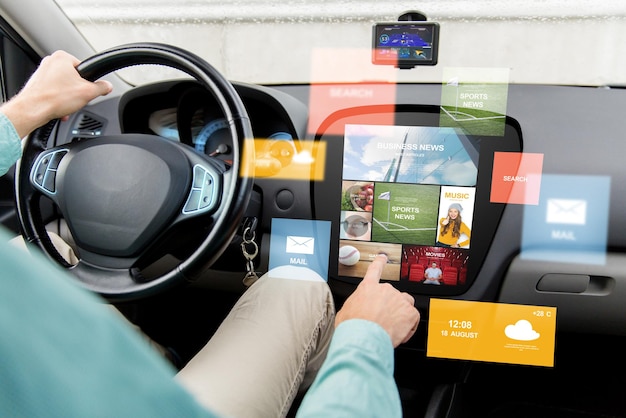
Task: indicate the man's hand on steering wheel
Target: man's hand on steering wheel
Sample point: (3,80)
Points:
(54,91)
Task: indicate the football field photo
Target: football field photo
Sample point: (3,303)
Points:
(405,213)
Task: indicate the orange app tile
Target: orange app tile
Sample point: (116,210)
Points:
(493,332)
(282,159)
(516,178)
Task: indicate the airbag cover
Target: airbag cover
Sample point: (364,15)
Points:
(119,194)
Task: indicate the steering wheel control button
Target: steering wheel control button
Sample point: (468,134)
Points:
(44,171)
(56,159)
(49,181)
(202,194)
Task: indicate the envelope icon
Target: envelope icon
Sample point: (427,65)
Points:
(566,211)
(300,245)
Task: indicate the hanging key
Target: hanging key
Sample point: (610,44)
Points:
(250,249)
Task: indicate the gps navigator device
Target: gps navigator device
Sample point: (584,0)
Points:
(405,44)
(398,183)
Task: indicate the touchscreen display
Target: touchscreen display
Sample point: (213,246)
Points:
(398,182)
(407,191)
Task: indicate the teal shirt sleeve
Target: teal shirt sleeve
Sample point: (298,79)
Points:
(356,380)
(63,353)
(10,145)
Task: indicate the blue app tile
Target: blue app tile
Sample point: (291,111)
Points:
(299,249)
(570,223)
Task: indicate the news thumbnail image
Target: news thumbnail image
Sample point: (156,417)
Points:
(357,196)
(405,213)
(456,214)
(409,154)
(448,266)
(356,225)
(356,256)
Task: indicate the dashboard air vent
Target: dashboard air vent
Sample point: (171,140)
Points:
(87,126)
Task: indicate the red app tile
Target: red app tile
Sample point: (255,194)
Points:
(516,178)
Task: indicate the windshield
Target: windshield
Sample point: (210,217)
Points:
(563,42)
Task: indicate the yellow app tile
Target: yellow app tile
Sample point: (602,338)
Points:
(282,159)
(494,332)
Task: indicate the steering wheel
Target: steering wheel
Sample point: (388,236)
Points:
(131,199)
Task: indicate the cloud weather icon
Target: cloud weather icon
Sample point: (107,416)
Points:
(300,245)
(521,331)
(566,211)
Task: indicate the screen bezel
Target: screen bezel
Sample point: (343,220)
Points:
(326,195)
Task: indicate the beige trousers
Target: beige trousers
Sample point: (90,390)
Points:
(271,344)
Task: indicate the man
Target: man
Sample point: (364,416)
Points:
(433,274)
(64,353)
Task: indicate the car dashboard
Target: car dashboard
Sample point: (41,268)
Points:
(510,258)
